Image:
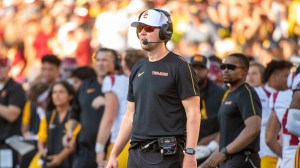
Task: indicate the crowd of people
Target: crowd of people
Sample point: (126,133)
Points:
(72,87)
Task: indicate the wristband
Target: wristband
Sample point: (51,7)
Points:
(99,147)
(213,145)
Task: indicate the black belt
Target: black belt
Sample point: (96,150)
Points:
(241,154)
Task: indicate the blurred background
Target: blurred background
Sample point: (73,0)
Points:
(74,29)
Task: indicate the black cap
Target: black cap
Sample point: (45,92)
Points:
(199,60)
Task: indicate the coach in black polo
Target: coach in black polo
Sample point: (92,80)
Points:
(163,101)
(12,101)
(239,118)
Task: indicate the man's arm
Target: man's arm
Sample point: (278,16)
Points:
(10,112)
(110,112)
(67,139)
(248,134)
(293,121)
(192,109)
(272,130)
(123,136)
(212,137)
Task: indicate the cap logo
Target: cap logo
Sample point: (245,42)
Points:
(199,59)
(145,15)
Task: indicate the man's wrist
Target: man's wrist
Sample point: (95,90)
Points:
(99,147)
(189,151)
(224,150)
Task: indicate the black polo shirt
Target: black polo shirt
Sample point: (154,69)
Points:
(11,94)
(83,112)
(157,88)
(239,105)
(55,132)
(211,98)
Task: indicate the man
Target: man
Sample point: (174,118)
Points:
(88,108)
(163,112)
(114,87)
(293,119)
(50,71)
(274,79)
(293,122)
(12,100)
(211,96)
(49,74)
(239,118)
(255,74)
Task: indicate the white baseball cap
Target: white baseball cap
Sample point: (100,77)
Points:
(151,17)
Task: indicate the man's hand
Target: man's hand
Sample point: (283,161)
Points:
(113,162)
(100,159)
(202,151)
(98,101)
(189,161)
(214,160)
(67,140)
(55,160)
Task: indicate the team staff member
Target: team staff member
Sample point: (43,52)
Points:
(53,126)
(12,101)
(163,101)
(211,96)
(88,108)
(31,114)
(115,107)
(239,118)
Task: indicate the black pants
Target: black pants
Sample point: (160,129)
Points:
(239,161)
(84,158)
(152,158)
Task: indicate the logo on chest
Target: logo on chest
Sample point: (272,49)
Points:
(156,73)
(228,102)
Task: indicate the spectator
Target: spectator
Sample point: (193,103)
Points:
(12,101)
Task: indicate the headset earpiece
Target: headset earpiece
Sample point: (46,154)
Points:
(117,59)
(166,29)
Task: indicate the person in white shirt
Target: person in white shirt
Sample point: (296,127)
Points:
(275,78)
(115,88)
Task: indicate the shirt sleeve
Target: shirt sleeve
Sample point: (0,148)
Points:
(249,103)
(17,97)
(26,114)
(43,131)
(130,96)
(107,84)
(186,81)
(296,83)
